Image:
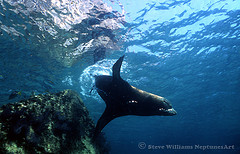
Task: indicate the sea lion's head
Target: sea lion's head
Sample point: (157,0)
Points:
(161,106)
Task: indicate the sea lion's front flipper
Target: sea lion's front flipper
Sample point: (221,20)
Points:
(116,68)
(106,117)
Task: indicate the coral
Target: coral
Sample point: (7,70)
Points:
(52,123)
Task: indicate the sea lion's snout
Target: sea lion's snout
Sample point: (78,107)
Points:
(172,112)
(167,109)
(167,112)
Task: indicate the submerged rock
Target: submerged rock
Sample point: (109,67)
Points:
(52,123)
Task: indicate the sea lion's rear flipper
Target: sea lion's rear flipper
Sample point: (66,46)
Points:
(116,68)
(109,96)
(106,117)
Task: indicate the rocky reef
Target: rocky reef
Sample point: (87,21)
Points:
(52,123)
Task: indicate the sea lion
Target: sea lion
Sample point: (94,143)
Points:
(123,99)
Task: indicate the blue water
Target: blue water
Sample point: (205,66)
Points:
(187,51)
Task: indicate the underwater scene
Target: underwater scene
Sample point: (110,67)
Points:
(117,76)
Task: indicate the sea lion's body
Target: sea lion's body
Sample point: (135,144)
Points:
(123,99)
